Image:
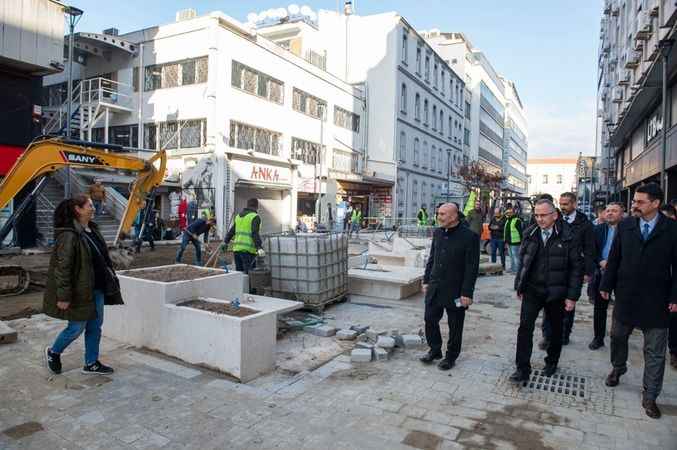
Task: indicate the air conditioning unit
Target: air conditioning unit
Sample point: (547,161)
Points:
(186,14)
(617,96)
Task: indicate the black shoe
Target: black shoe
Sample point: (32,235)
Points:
(445,364)
(97,369)
(550,370)
(429,357)
(614,377)
(596,343)
(544,344)
(651,409)
(519,376)
(53,361)
(565,340)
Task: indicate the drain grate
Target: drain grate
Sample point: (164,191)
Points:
(562,389)
(561,384)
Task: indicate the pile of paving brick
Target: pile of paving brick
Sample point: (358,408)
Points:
(370,345)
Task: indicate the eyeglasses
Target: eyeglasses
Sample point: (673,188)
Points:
(539,216)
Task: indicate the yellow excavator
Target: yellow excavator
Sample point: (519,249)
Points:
(49,154)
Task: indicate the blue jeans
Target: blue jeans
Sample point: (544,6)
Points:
(514,257)
(354,227)
(244,261)
(498,244)
(92,329)
(185,239)
(98,207)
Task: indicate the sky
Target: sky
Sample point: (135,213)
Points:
(548,48)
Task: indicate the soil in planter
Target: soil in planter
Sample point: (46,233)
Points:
(218,308)
(174,273)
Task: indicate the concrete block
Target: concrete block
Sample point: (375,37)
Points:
(361,355)
(380,354)
(371,335)
(387,282)
(320,330)
(385,342)
(412,340)
(7,334)
(346,335)
(399,341)
(364,345)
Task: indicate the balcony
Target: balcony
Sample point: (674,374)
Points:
(617,96)
(607,7)
(633,61)
(644,28)
(625,80)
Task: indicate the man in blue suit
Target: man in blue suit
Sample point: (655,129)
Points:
(604,236)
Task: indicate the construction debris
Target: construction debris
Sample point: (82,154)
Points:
(346,335)
(7,335)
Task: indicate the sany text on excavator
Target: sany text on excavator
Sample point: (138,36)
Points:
(50,154)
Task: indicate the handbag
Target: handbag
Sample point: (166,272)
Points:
(112,281)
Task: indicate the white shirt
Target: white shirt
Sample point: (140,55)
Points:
(543,233)
(571,217)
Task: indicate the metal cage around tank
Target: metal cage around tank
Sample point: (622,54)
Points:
(308,267)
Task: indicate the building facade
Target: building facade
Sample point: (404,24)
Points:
(497,120)
(414,102)
(635,36)
(552,176)
(240,116)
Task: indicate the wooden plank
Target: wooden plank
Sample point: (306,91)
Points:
(7,334)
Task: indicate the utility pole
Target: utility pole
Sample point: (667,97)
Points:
(74,15)
(665,46)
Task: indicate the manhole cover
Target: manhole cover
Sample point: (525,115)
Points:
(561,389)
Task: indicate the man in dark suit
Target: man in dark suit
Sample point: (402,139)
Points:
(641,271)
(449,283)
(549,278)
(604,236)
(581,228)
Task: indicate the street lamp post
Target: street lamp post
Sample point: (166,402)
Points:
(448,174)
(665,45)
(74,15)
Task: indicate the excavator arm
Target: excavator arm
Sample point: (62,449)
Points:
(47,156)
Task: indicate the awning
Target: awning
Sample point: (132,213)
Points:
(259,185)
(8,156)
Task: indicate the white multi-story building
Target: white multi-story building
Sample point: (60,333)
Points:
(240,116)
(414,100)
(552,176)
(498,124)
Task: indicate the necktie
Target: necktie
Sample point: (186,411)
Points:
(546,235)
(645,232)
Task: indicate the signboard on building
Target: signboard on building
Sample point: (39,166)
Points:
(260,172)
(654,126)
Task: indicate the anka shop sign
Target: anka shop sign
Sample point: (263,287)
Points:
(261,173)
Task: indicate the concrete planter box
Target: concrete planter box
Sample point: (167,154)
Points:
(387,282)
(243,347)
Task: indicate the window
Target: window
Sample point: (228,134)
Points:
(466,136)
(427,67)
(174,74)
(400,191)
(175,135)
(418,59)
(451,128)
(452,90)
(417,107)
(434,117)
(416,142)
(467,110)
(414,194)
(433,157)
(435,69)
(403,98)
(345,161)
(518,166)
(345,119)
(441,122)
(125,135)
(425,112)
(424,194)
(247,137)
(440,159)
(442,81)
(308,104)
(305,151)
(404,46)
(257,83)
(403,146)
(545,179)
(426,155)
(559,179)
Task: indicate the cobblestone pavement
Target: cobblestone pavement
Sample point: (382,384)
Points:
(317,399)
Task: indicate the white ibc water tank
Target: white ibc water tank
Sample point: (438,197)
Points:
(308,267)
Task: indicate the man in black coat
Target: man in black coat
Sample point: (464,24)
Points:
(604,236)
(582,230)
(641,271)
(449,283)
(550,278)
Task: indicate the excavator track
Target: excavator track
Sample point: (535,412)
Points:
(14,280)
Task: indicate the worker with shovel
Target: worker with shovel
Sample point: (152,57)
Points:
(191,234)
(245,236)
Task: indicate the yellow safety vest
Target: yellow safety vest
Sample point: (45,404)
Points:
(244,242)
